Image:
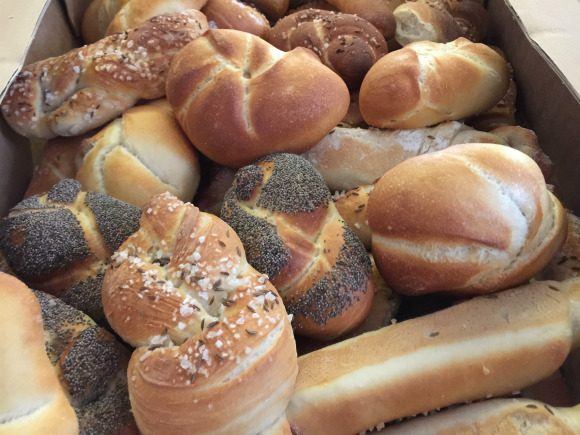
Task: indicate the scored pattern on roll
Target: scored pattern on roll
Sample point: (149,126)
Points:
(281,209)
(87,87)
(208,327)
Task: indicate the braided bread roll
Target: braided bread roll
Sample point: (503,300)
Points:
(347,44)
(468,220)
(426,83)
(235,14)
(32,401)
(239,98)
(61,242)
(89,86)
(91,365)
(282,211)
(215,351)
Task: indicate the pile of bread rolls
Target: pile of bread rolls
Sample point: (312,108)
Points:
(250,194)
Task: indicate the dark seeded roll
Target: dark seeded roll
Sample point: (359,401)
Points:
(91,365)
(61,242)
(281,209)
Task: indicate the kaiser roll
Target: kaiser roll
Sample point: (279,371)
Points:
(471,219)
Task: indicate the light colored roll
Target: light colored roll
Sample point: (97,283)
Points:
(352,157)
(489,346)
(500,416)
(426,83)
(468,220)
(425,21)
(32,401)
(239,98)
(140,155)
(235,14)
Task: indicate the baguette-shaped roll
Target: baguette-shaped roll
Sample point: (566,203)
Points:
(470,219)
(215,351)
(89,86)
(489,346)
(492,417)
(426,83)
(378,12)
(32,401)
(235,14)
(281,209)
(239,98)
(352,157)
(140,155)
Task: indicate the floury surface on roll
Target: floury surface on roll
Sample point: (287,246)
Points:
(426,83)
(291,230)
(238,98)
(468,220)
(487,347)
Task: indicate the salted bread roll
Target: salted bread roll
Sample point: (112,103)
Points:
(500,416)
(235,14)
(486,347)
(468,220)
(239,98)
(32,401)
(140,155)
(426,83)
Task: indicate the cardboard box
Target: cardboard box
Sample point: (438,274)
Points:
(540,39)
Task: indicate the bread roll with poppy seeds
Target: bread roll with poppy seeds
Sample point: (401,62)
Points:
(471,219)
(281,209)
(61,242)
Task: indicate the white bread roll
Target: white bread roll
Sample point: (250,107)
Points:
(493,417)
(487,347)
(471,219)
(140,155)
(426,83)
(32,401)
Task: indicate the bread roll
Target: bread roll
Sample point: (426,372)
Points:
(281,209)
(426,83)
(140,155)
(97,18)
(239,98)
(61,242)
(352,206)
(502,114)
(468,220)
(487,347)
(500,416)
(347,44)
(566,263)
(91,365)
(32,400)
(57,162)
(378,12)
(274,9)
(89,86)
(311,4)
(215,351)
(352,157)
(235,14)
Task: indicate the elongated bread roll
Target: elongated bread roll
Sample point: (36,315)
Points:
(489,346)
(505,417)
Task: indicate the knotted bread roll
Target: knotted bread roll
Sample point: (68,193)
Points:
(32,401)
(61,242)
(347,44)
(89,86)
(239,98)
(426,83)
(140,155)
(468,220)
(282,211)
(215,351)
(92,367)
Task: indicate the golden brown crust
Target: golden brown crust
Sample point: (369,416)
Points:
(468,220)
(426,83)
(486,347)
(227,89)
(33,402)
(97,18)
(235,14)
(378,12)
(274,9)
(566,263)
(347,44)
(89,86)
(215,347)
(281,209)
(352,206)
(140,155)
